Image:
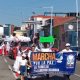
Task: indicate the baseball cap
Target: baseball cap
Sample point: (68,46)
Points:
(67,44)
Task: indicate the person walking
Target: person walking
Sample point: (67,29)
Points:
(67,49)
(23,65)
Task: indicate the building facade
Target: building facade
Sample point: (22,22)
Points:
(8,29)
(67,33)
(64,29)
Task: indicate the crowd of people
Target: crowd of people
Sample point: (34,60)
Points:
(22,63)
(23,59)
(4,48)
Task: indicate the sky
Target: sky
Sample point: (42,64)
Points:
(17,11)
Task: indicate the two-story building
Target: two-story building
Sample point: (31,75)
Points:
(64,29)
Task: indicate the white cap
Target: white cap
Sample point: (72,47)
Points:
(67,44)
(24,55)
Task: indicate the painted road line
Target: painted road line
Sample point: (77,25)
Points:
(12,71)
(77,75)
(5,60)
(10,68)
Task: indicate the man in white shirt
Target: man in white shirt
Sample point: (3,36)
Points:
(67,48)
(46,48)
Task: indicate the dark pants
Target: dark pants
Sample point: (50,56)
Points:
(22,70)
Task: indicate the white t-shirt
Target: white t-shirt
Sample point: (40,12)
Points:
(17,63)
(37,49)
(14,38)
(23,62)
(8,46)
(29,54)
(65,50)
(46,50)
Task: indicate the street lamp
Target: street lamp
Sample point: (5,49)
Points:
(51,24)
(77,19)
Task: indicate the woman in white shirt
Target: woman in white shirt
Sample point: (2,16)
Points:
(23,64)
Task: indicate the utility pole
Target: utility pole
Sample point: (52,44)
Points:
(51,24)
(77,20)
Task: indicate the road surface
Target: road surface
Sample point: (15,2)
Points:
(7,74)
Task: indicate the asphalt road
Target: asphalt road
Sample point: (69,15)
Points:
(7,74)
(76,76)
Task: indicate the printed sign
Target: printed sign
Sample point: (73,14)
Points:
(43,62)
(70,61)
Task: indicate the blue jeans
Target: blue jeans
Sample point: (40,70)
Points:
(22,70)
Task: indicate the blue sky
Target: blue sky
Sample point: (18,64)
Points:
(16,11)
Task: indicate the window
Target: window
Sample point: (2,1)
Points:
(40,22)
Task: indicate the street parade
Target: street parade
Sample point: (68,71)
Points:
(39,40)
(31,59)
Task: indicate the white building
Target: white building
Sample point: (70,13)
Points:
(35,23)
(1,30)
(40,21)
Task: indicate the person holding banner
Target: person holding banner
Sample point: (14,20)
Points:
(46,48)
(37,48)
(30,51)
(67,49)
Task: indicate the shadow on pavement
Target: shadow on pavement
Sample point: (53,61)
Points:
(51,78)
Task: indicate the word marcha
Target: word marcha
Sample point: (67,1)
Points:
(43,56)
